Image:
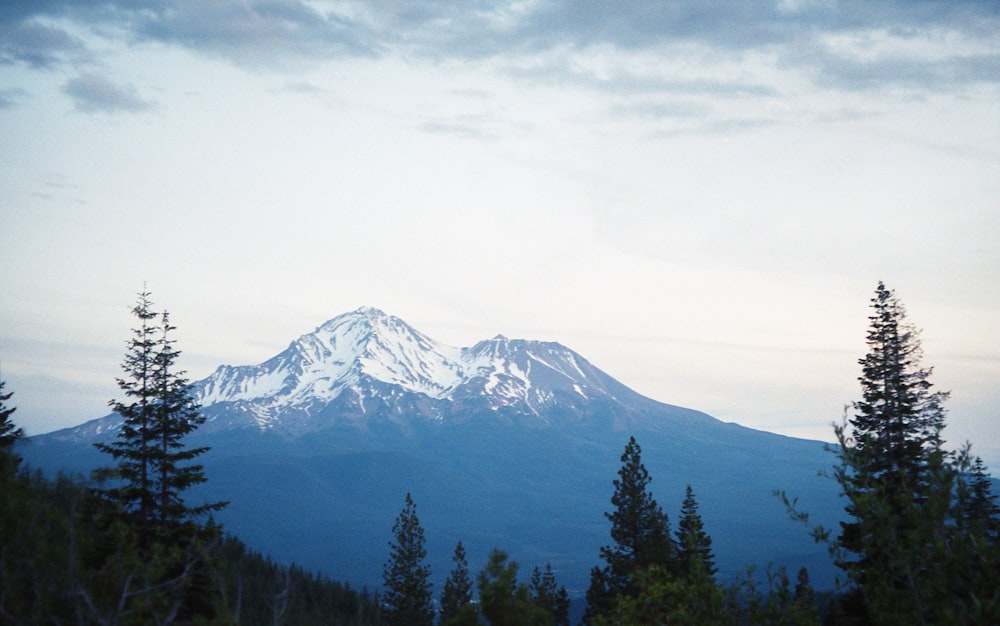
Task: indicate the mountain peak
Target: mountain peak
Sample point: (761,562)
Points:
(366,362)
(366,316)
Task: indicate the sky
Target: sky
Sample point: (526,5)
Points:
(698,197)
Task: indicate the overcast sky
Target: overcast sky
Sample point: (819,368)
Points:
(699,198)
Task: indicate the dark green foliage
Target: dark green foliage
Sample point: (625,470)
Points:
(804,595)
(694,546)
(256,590)
(550,596)
(682,591)
(9,432)
(406,576)
(504,602)
(153,465)
(134,448)
(457,591)
(67,556)
(176,415)
(918,547)
(895,442)
(661,597)
(913,554)
(468,615)
(774,601)
(976,504)
(142,492)
(641,534)
(898,421)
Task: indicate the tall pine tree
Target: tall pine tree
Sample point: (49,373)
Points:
(406,576)
(176,416)
(907,546)
(134,448)
(898,422)
(641,534)
(457,592)
(153,463)
(694,546)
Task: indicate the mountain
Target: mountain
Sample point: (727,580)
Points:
(508,443)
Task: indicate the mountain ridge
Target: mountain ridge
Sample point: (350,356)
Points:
(358,364)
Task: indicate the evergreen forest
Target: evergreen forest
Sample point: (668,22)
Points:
(919,544)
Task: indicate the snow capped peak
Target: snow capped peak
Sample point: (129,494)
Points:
(362,320)
(367,355)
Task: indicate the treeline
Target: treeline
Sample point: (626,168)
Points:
(257,590)
(62,562)
(650,575)
(920,543)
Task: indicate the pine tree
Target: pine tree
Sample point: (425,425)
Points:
(503,601)
(457,591)
(898,422)
(405,576)
(694,546)
(176,416)
(9,432)
(134,448)
(805,597)
(907,547)
(978,506)
(153,470)
(641,534)
(550,595)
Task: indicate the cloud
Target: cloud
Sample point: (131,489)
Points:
(303,87)
(10,97)
(789,34)
(464,127)
(37,45)
(258,33)
(93,94)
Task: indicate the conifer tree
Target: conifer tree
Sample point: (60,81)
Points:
(134,448)
(405,576)
(457,591)
(176,416)
(889,464)
(9,432)
(898,422)
(641,534)
(158,412)
(910,551)
(504,602)
(977,503)
(550,595)
(694,546)
(805,597)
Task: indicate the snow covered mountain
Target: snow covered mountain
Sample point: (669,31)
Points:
(366,369)
(367,366)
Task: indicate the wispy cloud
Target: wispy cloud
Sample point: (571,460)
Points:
(96,94)
(464,127)
(10,97)
(822,38)
(38,45)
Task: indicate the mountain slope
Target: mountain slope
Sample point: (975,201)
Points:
(508,443)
